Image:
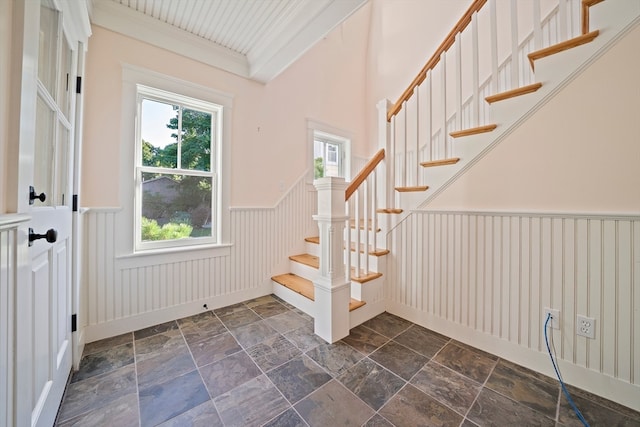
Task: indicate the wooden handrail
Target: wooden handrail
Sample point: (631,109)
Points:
(435,58)
(364,173)
(450,39)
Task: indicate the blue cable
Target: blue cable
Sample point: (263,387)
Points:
(564,389)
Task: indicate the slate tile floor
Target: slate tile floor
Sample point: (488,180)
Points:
(258,363)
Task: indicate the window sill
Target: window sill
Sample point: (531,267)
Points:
(175,254)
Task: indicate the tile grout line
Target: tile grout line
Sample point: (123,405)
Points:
(484,384)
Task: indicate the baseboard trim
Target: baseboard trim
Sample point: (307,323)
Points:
(144,320)
(594,382)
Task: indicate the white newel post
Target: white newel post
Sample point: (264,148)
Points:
(332,289)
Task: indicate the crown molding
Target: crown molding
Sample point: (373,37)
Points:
(126,21)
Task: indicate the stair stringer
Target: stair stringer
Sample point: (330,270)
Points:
(614,19)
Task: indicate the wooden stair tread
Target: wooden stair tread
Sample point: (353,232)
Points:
(377,252)
(473,131)
(354,304)
(513,93)
(410,189)
(565,45)
(389,211)
(305,288)
(314,262)
(442,162)
(296,283)
(306,259)
(364,278)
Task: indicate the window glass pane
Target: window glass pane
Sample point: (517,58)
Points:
(332,154)
(48,47)
(196,140)
(318,159)
(62,167)
(43,161)
(175,206)
(159,137)
(65,86)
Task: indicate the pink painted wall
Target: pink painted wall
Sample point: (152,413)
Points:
(269,134)
(403,35)
(579,153)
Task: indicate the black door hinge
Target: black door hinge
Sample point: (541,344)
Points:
(78,84)
(74,203)
(74,322)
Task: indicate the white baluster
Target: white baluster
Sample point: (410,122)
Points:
(515,63)
(458,105)
(347,273)
(476,70)
(405,170)
(365,207)
(537,26)
(563,22)
(495,88)
(391,163)
(417,162)
(374,208)
(443,106)
(357,225)
(429,123)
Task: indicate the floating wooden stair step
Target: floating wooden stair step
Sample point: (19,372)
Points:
(296,283)
(353,225)
(354,303)
(364,278)
(306,259)
(305,288)
(443,162)
(376,252)
(410,189)
(473,131)
(314,262)
(389,211)
(565,45)
(513,93)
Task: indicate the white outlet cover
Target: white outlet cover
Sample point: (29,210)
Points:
(555,317)
(586,326)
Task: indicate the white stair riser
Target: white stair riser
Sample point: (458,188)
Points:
(303,270)
(294,298)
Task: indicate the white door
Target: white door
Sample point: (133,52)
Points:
(43,296)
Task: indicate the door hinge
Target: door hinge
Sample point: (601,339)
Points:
(74,322)
(78,84)
(74,203)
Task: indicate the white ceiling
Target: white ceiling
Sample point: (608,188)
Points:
(256,39)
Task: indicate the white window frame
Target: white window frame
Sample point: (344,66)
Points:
(134,78)
(329,134)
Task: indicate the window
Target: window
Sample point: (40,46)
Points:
(330,155)
(177,176)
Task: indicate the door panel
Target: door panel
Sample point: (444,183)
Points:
(41,291)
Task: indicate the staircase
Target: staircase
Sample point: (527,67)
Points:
(433,133)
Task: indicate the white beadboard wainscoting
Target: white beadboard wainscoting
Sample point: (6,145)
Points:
(124,292)
(486,278)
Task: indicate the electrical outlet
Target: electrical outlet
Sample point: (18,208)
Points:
(586,326)
(555,317)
